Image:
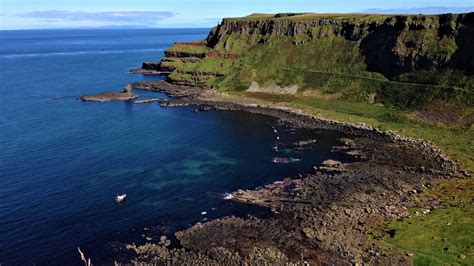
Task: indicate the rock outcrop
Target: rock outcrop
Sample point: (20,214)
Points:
(254,87)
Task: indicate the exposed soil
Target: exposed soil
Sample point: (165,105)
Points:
(445,113)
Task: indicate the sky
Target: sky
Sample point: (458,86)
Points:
(37,14)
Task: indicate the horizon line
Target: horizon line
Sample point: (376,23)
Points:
(107,28)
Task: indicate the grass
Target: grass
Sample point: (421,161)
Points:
(439,238)
(442,237)
(212,65)
(189,49)
(334,16)
(335,64)
(172,62)
(190,79)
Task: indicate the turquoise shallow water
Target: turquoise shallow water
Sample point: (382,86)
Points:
(63,161)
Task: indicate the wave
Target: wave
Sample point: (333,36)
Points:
(13,56)
(228,196)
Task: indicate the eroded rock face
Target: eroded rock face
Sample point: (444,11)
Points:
(254,87)
(184,54)
(391,45)
(152,66)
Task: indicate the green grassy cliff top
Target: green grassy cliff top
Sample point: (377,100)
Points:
(333,16)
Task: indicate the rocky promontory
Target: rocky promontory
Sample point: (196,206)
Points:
(125,95)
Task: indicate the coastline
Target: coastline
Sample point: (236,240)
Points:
(189,95)
(329,212)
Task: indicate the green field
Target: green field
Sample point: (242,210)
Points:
(441,237)
(189,49)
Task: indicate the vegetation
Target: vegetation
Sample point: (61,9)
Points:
(356,17)
(173,62)
(441,237)
(284,63)
(189,49)
(213,65)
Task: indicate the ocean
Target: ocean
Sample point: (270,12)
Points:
(63,161)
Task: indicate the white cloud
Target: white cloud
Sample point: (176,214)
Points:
(116,17)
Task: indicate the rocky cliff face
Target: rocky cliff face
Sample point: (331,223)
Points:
(184,54)
(391,45)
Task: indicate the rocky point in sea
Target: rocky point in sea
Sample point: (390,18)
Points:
(125,95)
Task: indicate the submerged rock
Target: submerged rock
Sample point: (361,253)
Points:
(109,96)
(153,100)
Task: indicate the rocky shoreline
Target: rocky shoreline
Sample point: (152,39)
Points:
(325,217)
(188,95)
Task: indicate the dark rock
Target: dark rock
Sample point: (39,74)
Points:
(109,96)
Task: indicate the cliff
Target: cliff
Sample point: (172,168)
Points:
(407,61)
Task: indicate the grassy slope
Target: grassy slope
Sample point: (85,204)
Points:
(284,63)
(427,236)
(215,65)
(442,237)
(356,17)
(189,49)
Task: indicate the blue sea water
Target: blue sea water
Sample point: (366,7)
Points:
(62,161)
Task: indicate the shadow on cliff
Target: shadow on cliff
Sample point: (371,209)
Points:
(377,48)
(463,58)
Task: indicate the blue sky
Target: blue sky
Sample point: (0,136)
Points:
(28,14)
